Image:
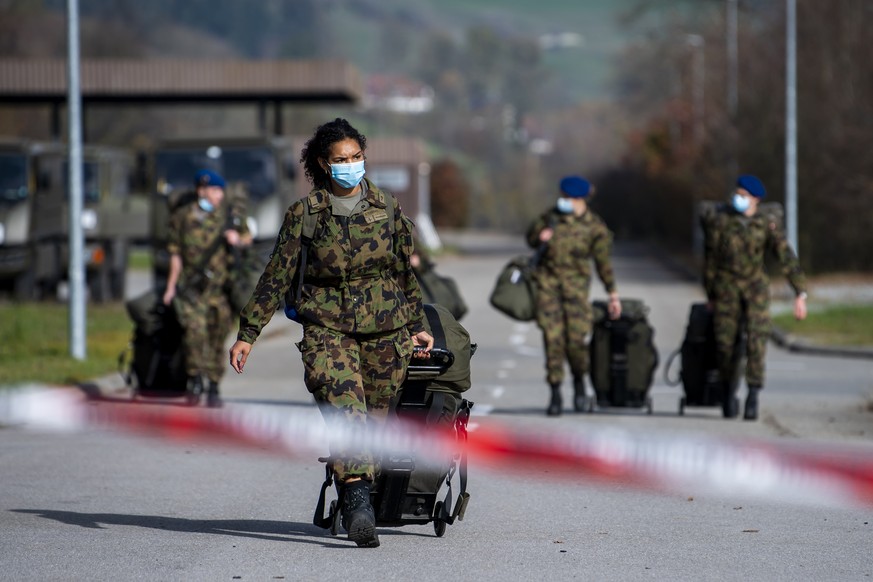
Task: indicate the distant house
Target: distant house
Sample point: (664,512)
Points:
(398,94)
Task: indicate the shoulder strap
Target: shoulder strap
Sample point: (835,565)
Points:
(436,326)
(310,222)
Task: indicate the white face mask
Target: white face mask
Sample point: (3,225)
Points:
(564,206)
(741,203)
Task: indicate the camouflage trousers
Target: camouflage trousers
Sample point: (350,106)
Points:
(734,302)
(564,316)
(207,321)
(354,379)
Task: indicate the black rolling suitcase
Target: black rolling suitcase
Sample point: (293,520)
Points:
(405,492)
(157,367)
(623,357)
(699,374)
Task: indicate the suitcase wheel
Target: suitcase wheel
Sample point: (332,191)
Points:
(439,524)
(334,517)
(682,406)
(648,405)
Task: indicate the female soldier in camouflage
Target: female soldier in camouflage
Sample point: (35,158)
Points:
(738,288)
(575,236)
(360,311)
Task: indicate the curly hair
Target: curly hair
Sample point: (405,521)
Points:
(319,146)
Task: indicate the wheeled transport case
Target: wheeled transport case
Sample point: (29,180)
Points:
(156,368)
(699,374)
(405,492)
(623,357)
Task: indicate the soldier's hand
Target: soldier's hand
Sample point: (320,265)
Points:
(425,340)
(614,306)
(546,234)
(232,237)
(239,353)
(169,294)
(800,308)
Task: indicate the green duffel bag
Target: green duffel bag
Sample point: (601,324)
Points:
(436,288)
(515,293)
(450,335)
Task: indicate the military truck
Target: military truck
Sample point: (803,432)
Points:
(34,223)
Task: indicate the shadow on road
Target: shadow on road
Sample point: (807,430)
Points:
(280,531)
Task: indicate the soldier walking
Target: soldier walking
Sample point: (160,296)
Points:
(737,237)
(360,307)
(574,236)
(200,235)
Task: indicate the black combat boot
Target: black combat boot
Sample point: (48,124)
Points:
(751,411)
(729,405)
(359,518)
(213,400)
(580,399)
(555,404)
(194,390)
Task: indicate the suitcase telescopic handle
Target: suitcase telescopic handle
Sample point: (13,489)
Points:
(438,362)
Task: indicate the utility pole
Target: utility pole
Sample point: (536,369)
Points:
(698,82)
(76,258)
(791,122)
(732,82)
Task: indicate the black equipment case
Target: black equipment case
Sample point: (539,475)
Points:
(623,357)
(699,374)
(157,366)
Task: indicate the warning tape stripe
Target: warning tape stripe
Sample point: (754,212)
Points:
(829,475)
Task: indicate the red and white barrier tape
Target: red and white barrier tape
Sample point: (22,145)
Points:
(831,475)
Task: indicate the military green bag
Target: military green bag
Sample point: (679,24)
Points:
(515,292)
(436,288)
(450,335)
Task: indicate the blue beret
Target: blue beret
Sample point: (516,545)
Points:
(752,185)
(208,178)
(575,187)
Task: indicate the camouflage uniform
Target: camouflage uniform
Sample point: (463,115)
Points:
(736,282)
(358,307)
(202,305)
(563,281)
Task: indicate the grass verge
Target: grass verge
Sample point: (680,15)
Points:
(35,344)
(838,325)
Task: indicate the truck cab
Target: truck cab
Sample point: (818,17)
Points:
(34,218)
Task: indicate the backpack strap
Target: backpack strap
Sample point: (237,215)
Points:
(311,211)
(436,326)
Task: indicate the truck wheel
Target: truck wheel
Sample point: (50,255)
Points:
(25,286)
(118,272)
(98,284)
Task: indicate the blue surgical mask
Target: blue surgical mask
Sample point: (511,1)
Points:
(205,204)
(740,203)
(347,175)
(564,206)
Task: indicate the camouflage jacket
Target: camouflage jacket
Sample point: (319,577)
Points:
(193,232)
(735,247)
(577,241)
(358,277)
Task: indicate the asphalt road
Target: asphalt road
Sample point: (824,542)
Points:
(102,506)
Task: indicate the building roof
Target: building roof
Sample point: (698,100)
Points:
(191,80)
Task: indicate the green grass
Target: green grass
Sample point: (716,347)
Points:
(34,343)
(838,325)
(140,259)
